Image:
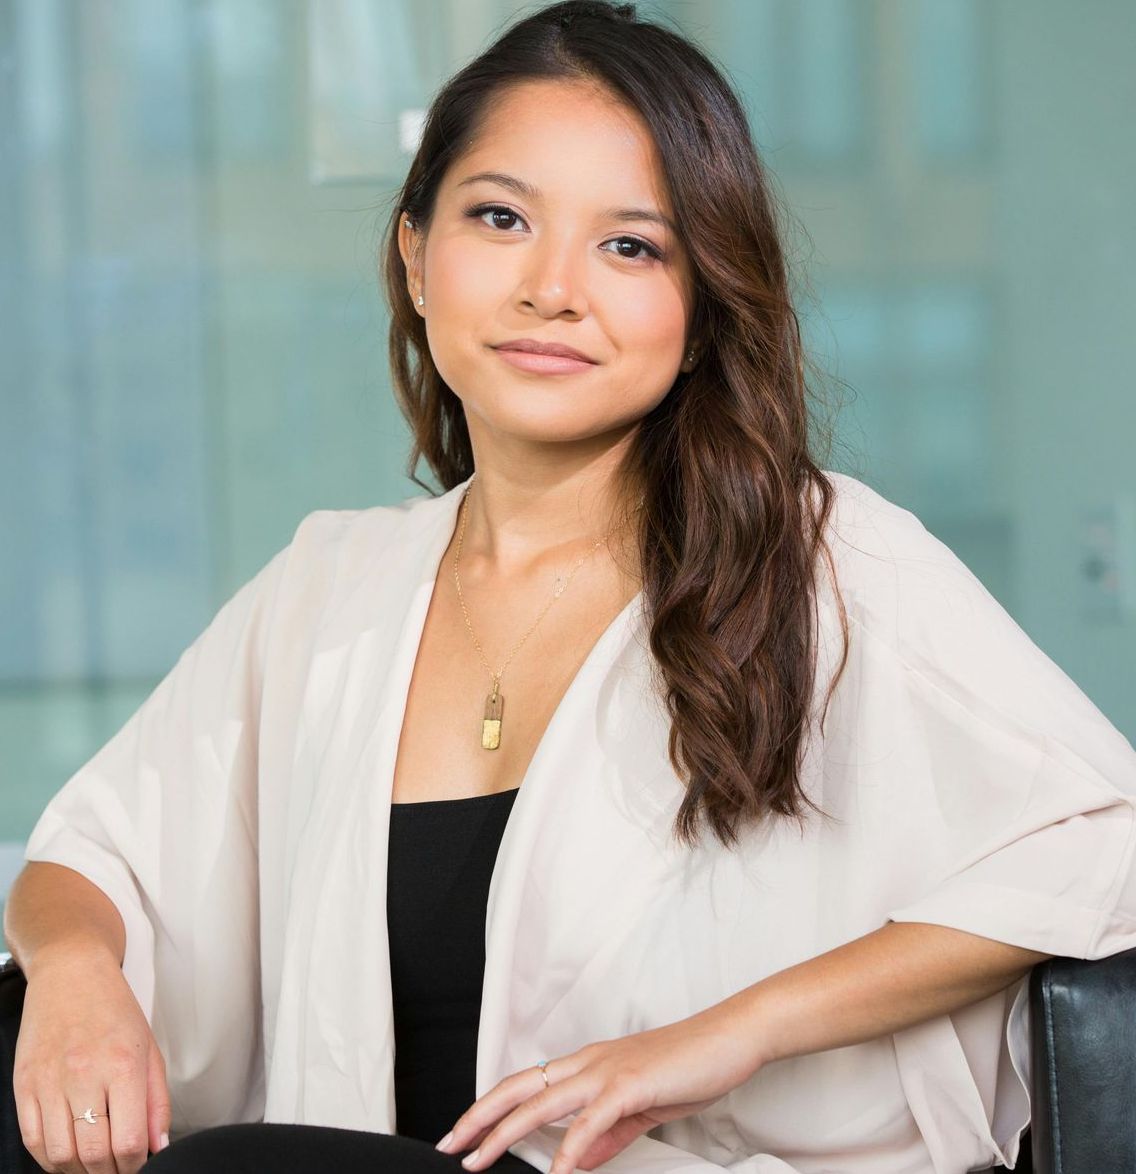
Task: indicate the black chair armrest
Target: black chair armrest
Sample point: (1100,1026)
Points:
(1083,1064)
(14,1156)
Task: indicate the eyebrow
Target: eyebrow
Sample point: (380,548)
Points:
(523,188)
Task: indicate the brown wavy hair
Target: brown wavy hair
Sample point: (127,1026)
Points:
(734,505)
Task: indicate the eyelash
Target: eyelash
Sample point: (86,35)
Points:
(479,210)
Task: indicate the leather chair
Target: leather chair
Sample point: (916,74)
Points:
(1083,1077)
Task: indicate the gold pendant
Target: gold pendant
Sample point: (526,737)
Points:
(491,725)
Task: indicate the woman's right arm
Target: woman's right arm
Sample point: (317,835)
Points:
(139,909)
(52,909)
(84,1040)
(135,918)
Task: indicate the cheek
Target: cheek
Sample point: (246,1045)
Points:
(652,322)
(459,278)
(461,295)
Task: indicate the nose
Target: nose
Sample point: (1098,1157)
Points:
(554,278)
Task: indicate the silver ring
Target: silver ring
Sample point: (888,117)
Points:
(89,1116)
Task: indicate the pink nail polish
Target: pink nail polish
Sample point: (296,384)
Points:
(445,1141)
(469,1159)
(163,1141)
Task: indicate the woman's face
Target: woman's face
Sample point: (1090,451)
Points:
(557,260)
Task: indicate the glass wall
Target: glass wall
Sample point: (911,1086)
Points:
(195,346)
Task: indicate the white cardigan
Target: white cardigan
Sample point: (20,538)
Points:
(239,822)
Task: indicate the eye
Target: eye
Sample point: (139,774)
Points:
(478,211)
(649,248)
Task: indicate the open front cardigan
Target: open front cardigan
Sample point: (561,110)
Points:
(239,823)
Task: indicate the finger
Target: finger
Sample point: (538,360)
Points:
(545,1107)
(598,1133)
(126,1104)
(59,1135)
(472,1126)
(31,1129)
(92,1142)
(479,1118)
(158,1110)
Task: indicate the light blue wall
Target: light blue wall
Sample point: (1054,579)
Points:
(1065,242)
(194,342)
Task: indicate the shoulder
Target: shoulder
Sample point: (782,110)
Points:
(918,613)
(911,600)
(895,576)
(337,554)
(355,534)
(868,529)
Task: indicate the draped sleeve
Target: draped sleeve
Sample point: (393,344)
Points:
(1001,798)
(163,819)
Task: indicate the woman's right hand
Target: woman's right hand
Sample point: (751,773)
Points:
(84,1042)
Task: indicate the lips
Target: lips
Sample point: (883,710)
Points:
(533,347)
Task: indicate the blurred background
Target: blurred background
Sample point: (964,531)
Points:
(194,344)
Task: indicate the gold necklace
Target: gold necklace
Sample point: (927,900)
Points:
(494,703)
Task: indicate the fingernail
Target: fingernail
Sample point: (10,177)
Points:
(445,1141)
(469,1159)
(163,1141)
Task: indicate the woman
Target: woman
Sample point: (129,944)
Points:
(649,798)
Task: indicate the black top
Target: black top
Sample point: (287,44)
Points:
(441,855)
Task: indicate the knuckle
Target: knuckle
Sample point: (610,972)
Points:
(130,1148)
(78,1060)
(59,1153)
(92,1151)
(123,1062)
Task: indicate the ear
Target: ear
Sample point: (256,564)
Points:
(409,246)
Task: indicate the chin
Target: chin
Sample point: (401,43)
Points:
(533,423)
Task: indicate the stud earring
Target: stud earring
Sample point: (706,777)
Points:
(409,223)
(421,300)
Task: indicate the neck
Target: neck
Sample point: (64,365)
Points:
(516,526)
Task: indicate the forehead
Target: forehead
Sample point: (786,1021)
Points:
(570,140)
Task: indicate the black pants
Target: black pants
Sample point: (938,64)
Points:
(310,1149)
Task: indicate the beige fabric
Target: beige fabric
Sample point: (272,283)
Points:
(239,821)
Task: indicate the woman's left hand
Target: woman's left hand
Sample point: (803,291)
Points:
(621,1087)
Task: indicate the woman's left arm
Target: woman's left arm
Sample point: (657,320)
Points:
(889,979)
(878,984)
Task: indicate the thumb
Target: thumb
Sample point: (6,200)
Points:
(157,1101)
